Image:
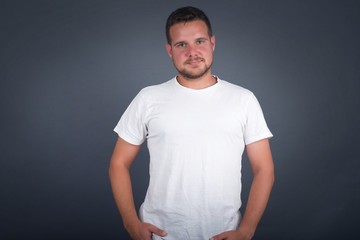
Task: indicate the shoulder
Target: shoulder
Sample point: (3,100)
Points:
(235,90)
(156,90)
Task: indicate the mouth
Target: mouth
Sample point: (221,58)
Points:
(194,61)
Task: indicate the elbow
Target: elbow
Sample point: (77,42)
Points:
(271,175)
(111,170)
(116,169)
(266,174)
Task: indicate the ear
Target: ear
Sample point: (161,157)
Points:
(212,39)
(168,49)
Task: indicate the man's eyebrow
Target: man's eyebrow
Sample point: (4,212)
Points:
(202,38)
(178,43)
(197,39)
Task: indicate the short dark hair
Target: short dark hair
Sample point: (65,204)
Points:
(186,14)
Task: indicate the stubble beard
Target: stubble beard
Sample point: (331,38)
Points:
(187,74)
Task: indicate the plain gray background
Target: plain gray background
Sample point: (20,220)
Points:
(69,69)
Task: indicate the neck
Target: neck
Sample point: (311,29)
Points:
(197,83)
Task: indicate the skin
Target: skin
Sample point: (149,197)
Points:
(121,160)
(191,51)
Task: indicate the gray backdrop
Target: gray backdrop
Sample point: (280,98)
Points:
(69,69)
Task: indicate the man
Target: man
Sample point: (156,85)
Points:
(196,126)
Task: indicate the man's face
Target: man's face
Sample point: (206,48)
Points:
(191,48)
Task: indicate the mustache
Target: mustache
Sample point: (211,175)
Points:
(194,59)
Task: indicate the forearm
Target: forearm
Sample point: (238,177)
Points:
(122,191)
(257,201)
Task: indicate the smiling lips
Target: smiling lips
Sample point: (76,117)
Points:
(194,61)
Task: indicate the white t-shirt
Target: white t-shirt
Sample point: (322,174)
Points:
(196,139)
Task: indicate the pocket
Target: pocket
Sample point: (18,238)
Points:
(157,237)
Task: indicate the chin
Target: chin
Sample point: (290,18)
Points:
(193,75)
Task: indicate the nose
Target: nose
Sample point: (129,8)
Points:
(191,51)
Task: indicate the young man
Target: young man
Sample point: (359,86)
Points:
(196,126)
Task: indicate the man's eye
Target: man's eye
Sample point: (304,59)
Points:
(181,45)
(200,41)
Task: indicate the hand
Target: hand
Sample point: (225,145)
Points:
(144,231)
(232,235)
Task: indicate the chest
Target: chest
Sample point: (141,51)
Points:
(195,119)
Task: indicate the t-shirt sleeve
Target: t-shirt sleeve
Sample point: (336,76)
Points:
(131,126)
(256,127)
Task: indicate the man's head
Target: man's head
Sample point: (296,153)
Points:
(190,42)
(184,15)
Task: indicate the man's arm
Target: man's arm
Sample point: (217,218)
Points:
(121,160)
(263,169)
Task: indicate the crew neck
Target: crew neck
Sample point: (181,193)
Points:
(214,86)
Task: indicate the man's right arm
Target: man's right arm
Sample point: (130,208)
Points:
(121,160)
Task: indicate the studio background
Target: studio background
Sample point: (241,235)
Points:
(69,69)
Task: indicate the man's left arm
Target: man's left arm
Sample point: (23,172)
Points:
(262,165)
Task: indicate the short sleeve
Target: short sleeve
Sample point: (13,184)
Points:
(256,127)
(131,126)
